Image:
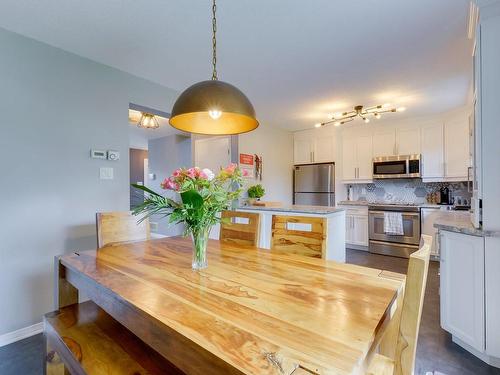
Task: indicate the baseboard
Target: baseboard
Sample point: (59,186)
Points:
(356,247)
(10,337)
(492,361)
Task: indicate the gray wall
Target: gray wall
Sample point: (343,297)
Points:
(54,107)
(166,154)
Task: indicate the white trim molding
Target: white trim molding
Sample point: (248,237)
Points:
(10,337)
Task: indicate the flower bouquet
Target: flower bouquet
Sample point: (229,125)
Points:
(203,195)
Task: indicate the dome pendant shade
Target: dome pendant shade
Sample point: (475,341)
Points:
(213,108)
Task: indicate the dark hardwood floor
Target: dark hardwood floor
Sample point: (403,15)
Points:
(435,351)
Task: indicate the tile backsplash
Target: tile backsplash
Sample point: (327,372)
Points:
(406,191)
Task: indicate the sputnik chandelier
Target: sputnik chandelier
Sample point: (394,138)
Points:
(362,113)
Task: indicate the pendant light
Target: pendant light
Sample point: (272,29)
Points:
(148,121)
(213,107)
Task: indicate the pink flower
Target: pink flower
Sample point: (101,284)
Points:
(193,172)
(245,173)
(230,168)
(177,172)
(169,184)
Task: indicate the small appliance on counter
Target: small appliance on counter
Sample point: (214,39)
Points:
(444,196)
(314,184)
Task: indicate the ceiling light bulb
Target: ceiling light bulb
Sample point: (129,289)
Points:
(366,120)
(336,123)
(215,114)
(337,115)
(386,105)
(318,125)
(401,109)
(377,116)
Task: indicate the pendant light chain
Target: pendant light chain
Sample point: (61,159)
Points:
(214,42)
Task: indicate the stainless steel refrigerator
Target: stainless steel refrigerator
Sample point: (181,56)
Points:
(314,184)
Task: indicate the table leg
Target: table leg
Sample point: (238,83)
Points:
(64,293)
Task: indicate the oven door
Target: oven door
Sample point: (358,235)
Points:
(390,168)
(411,228)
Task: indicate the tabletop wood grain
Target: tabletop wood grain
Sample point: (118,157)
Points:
(251,311)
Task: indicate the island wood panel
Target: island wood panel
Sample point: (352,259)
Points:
(251,311)
(310,243)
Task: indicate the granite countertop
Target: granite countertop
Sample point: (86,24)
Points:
(353,203)
(459,222)
(303,209)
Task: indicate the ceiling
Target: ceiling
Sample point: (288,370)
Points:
(296,60)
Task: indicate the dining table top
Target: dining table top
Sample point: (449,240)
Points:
(256,311)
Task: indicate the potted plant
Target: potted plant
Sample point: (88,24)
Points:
(203,195)
(255,192)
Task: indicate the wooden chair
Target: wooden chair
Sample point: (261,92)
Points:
(233,230)
(84,339)
(300,235)
(405,345)
(120,227)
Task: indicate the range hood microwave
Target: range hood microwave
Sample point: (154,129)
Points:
(401,166)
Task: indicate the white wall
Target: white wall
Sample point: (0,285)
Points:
(54,107)
(165,155)
(276,148)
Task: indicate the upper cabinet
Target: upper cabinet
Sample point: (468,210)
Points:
(401,141)
(445,150)
(456,150)
(384,142)
(408,141)
(357,154)
(432,151)
(314,146)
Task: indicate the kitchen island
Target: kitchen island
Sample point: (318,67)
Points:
(335,224)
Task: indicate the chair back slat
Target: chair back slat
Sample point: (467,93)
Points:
(413,301)
(299,234)
(120,227)
(242,228)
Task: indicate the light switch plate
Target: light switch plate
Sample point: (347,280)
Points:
(106,173)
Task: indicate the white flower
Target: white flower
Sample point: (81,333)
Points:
(210,175)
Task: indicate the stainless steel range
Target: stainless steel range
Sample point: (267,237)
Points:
(390,244)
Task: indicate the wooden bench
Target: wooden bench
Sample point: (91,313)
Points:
(84,339)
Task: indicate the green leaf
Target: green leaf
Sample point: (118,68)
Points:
(192,198)
(147,190)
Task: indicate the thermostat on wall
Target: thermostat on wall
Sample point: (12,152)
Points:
(113,155)
(98,154)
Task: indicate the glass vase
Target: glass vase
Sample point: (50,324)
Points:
(200,240)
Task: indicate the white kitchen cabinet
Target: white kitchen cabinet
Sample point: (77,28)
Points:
(365,157)
(427,218)
(408,141)
(456,150)
(356,226)
(462,288)
(349,159)
(384,142)
(314,146)
(432,152)
(357,158)
(324,148)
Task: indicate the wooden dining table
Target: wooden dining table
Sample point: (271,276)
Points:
(252,311)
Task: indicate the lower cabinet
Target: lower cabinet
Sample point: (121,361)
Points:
(462,288)
(356,226)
